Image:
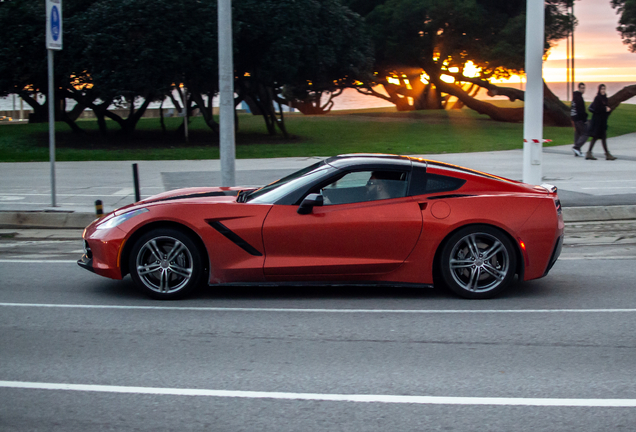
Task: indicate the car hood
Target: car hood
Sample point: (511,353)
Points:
(192,193)
(209,194)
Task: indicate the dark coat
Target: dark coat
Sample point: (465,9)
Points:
(598,128)
(578,112)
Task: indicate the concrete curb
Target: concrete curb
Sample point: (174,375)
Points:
(45,219)
(70,220)
(599,213)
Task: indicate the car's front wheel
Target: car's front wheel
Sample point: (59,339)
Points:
(166,264)
(478,262)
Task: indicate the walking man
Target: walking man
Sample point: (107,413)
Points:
(578,113)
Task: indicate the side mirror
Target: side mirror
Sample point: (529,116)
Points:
(309,203)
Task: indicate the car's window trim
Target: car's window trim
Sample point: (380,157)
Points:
(343,172)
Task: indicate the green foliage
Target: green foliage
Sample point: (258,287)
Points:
(23,61)
(627,22)
(120,50)
(491,33)
(300,41)
(22,51)
(303,47)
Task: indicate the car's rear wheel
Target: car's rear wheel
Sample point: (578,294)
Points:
(478,262)
(166,264)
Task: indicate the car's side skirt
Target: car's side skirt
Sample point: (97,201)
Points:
(324,283)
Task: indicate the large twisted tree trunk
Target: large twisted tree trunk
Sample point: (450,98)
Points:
(555,112)
(621,96)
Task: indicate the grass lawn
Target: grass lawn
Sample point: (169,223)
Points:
(378,130)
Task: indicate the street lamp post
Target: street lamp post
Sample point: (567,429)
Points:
(533,104)
(226,94)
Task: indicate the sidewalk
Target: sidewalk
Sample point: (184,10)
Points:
(589,190)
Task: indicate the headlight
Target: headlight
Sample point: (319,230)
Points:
(117,220)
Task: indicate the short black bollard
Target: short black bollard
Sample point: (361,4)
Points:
(99,208)
(136,181)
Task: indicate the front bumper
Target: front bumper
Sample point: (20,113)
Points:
(102,252)
(86,261)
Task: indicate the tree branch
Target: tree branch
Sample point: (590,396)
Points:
(512,94)
(368,91)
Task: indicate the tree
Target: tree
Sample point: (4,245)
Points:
(127,53)
(23,68)
(23,58)
(627,29)
(304,48)
(420,45)
(627,22)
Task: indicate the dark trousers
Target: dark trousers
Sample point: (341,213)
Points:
(580,134)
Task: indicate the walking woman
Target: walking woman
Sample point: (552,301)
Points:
(598,129)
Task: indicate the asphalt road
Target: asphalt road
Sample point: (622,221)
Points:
(79,352)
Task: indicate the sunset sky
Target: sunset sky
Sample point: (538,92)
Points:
(599,50)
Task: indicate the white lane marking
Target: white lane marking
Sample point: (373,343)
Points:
(396,311)
(37,261)
(48,203)
(590,257)
(399,399)
(124,192)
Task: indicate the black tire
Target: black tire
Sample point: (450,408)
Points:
(166,264)
(478,262)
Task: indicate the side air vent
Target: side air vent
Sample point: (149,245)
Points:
(234,238)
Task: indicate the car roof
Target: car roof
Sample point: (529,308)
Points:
(369,160)
(379,160)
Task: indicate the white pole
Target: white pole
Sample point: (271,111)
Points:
(51,100)
(185,113)
(226,94)
(533,106)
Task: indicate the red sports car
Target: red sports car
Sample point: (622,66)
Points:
(353,219)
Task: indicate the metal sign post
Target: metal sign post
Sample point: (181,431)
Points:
(53,43)
(533,104)
(226,94)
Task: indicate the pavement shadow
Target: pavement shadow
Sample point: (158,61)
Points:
(126,290)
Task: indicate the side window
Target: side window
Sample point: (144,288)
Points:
(424,183)
(362,186)
(439,183)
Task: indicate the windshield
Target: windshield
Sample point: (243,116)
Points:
(272,192)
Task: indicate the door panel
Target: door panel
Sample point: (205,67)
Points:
(345,239)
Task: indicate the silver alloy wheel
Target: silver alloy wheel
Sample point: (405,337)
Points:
(479,262)
(164,264)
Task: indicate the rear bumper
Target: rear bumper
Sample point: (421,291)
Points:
(555,254)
